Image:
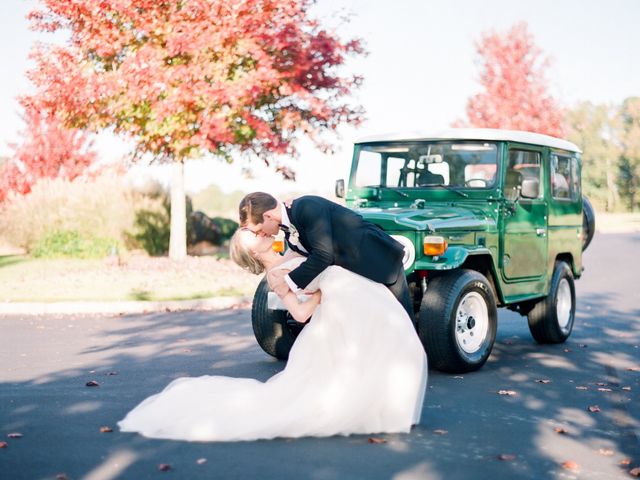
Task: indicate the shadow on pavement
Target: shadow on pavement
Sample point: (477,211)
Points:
(468,429)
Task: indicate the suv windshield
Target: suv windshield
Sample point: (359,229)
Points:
(426,165)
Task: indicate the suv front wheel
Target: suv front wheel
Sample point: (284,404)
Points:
(551,319)
(275,330)
(458,321)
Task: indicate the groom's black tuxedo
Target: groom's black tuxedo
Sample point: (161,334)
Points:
(335,235)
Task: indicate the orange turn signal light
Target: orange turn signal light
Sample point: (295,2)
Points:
(278,245)
(434,246)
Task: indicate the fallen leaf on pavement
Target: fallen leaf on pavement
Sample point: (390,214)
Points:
(106,429)
(439,431)
(15,435)
(4,444)
(607,452)
(594,408)
(506,457)
(635,472)
(92,383)
(570,465)
(377,440)
(164,467)
(507,392)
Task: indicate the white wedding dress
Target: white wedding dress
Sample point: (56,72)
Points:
(358,367)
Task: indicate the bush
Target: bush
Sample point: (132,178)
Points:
(152,223)
(96,211)
(69,243)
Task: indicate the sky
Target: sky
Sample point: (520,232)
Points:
(418,75)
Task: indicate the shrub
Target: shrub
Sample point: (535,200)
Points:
(152,223)
(70,243)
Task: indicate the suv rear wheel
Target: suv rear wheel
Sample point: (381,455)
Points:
(551,319)
(458,321)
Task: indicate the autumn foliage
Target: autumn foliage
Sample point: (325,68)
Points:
(515,93)
(47,150)
(182,78)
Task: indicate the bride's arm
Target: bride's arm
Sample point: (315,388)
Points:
(301,311)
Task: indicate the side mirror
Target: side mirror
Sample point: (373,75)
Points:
(530,188)
(340,188)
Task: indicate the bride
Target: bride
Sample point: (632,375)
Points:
(357,367)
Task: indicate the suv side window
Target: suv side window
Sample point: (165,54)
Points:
(565,178)
(523,164)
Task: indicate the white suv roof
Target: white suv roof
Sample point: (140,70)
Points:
(476,134)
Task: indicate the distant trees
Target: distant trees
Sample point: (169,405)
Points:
(515,95)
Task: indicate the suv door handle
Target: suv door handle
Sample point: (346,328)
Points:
(541,232)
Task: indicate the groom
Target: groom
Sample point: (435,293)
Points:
(327,234)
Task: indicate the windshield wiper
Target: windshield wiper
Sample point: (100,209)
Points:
(402,194)
(450,188)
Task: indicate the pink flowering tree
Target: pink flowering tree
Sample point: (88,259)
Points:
(47,149)
(515,91)
(185,78)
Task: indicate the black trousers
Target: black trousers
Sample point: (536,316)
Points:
(400,289)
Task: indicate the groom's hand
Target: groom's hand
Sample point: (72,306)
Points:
(278,283)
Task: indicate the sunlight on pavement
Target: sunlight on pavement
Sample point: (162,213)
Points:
(113,466)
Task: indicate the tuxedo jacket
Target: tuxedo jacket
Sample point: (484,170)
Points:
(335,235)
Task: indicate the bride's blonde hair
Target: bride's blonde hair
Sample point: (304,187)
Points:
(242,256)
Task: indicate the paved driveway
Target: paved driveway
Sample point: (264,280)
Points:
(468,430)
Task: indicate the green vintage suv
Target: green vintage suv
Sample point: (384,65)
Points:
(488,218)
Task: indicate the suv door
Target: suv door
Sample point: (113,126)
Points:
(524,240)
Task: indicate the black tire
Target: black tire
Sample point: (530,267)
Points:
(548,321)
(588,222)
(274,330)
(442,337)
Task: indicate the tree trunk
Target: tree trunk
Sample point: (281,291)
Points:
(178,238)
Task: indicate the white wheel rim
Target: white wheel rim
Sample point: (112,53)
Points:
(563,304)
(472,322)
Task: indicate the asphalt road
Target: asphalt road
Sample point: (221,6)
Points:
(468,430)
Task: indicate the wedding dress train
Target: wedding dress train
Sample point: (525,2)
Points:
(357,367)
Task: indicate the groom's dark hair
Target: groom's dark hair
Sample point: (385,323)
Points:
(253,206)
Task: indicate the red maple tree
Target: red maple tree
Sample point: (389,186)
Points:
(182,79)
(48,150)
(516,94)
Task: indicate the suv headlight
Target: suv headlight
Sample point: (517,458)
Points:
(409,250)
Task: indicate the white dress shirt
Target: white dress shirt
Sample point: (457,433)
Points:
(284,220)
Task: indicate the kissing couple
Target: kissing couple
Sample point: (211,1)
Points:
(357,366)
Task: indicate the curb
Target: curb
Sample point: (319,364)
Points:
(215,303)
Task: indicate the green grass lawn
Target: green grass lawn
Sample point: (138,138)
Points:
(25,279)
